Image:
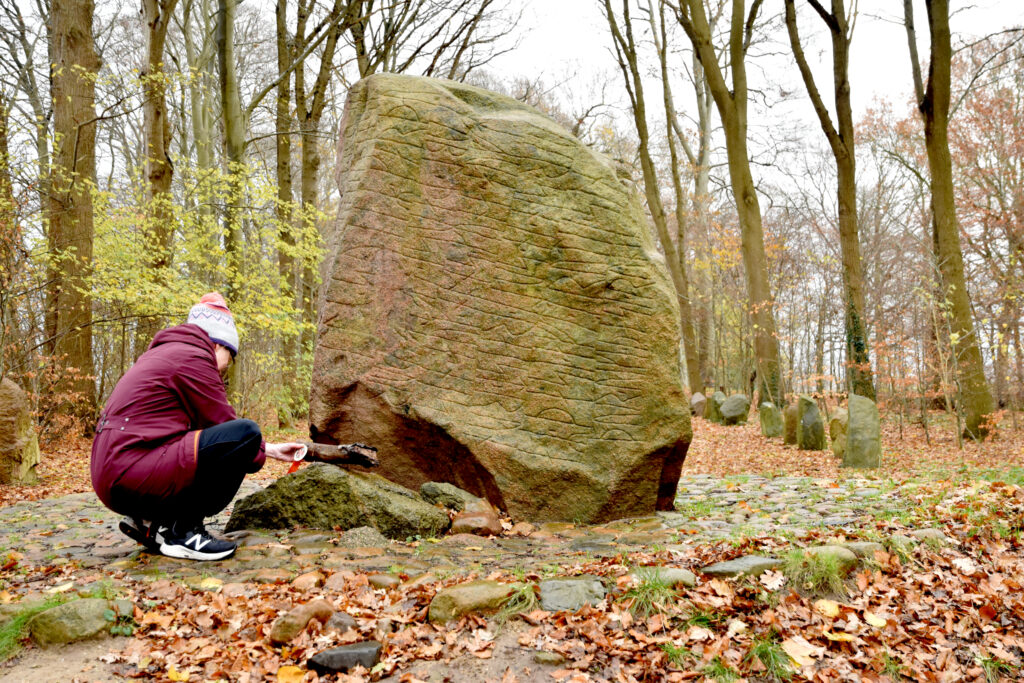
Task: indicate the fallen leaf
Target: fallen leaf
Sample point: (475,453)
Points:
(175,675)
(772,580)
(842,637)
(800,651)
(874,620)
(830,608)
(735,626)
(290,674)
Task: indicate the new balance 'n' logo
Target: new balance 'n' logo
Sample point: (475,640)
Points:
(198,541)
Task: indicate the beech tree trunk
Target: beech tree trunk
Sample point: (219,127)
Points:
(285,215)
(159,170)
(732,109)
(933,103)
(74,65)
(309,106)
(626,52)
(234,149)
(841,140)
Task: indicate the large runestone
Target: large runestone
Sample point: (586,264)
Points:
(494,312)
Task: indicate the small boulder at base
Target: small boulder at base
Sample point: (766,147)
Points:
(495,312)
(771,420)
(698,403)
(735,410)
(863,434)
(322,496)
(72,621)
(837,427)
(445,494)
(345,658)
(810,429)
(484,597)
(713,411)
(19,447)
(478,518)
(789,415)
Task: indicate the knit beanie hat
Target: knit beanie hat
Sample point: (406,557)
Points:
(212,314)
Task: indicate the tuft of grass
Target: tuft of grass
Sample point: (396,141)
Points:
(814,574)
(994,669)
(768,650)
(892,667)
(522,601)
(696,508)
(719,671)
(650,594)
(704,617)
(13,632)
(678,655)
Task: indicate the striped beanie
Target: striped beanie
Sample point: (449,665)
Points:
(212,314)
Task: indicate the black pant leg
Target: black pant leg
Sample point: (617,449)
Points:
(225,453)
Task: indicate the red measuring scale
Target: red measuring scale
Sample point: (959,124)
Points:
(297,458)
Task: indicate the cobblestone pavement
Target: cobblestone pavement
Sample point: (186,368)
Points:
(77,528)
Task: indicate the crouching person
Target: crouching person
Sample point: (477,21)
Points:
(169,450)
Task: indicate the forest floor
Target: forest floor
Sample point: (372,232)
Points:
(939,599)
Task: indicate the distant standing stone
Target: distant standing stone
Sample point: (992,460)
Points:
(713,410)
(789,415)
(863,439)
(19,448)
(735,409)
(771,420)
(810,429)
(837,431)
(698,404)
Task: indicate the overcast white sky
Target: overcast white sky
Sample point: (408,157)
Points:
(566,35)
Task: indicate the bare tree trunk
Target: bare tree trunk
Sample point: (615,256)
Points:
(933,102)
(859,375)
(819,348)
(732,108)
(285,215)
(70,239)
(234,148)
(10,239)
(626,52)
(159,170)
(309,107)
(691,344)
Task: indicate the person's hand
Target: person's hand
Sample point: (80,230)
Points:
(283,451)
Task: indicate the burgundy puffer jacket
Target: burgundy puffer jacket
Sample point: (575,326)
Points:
(147,439)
